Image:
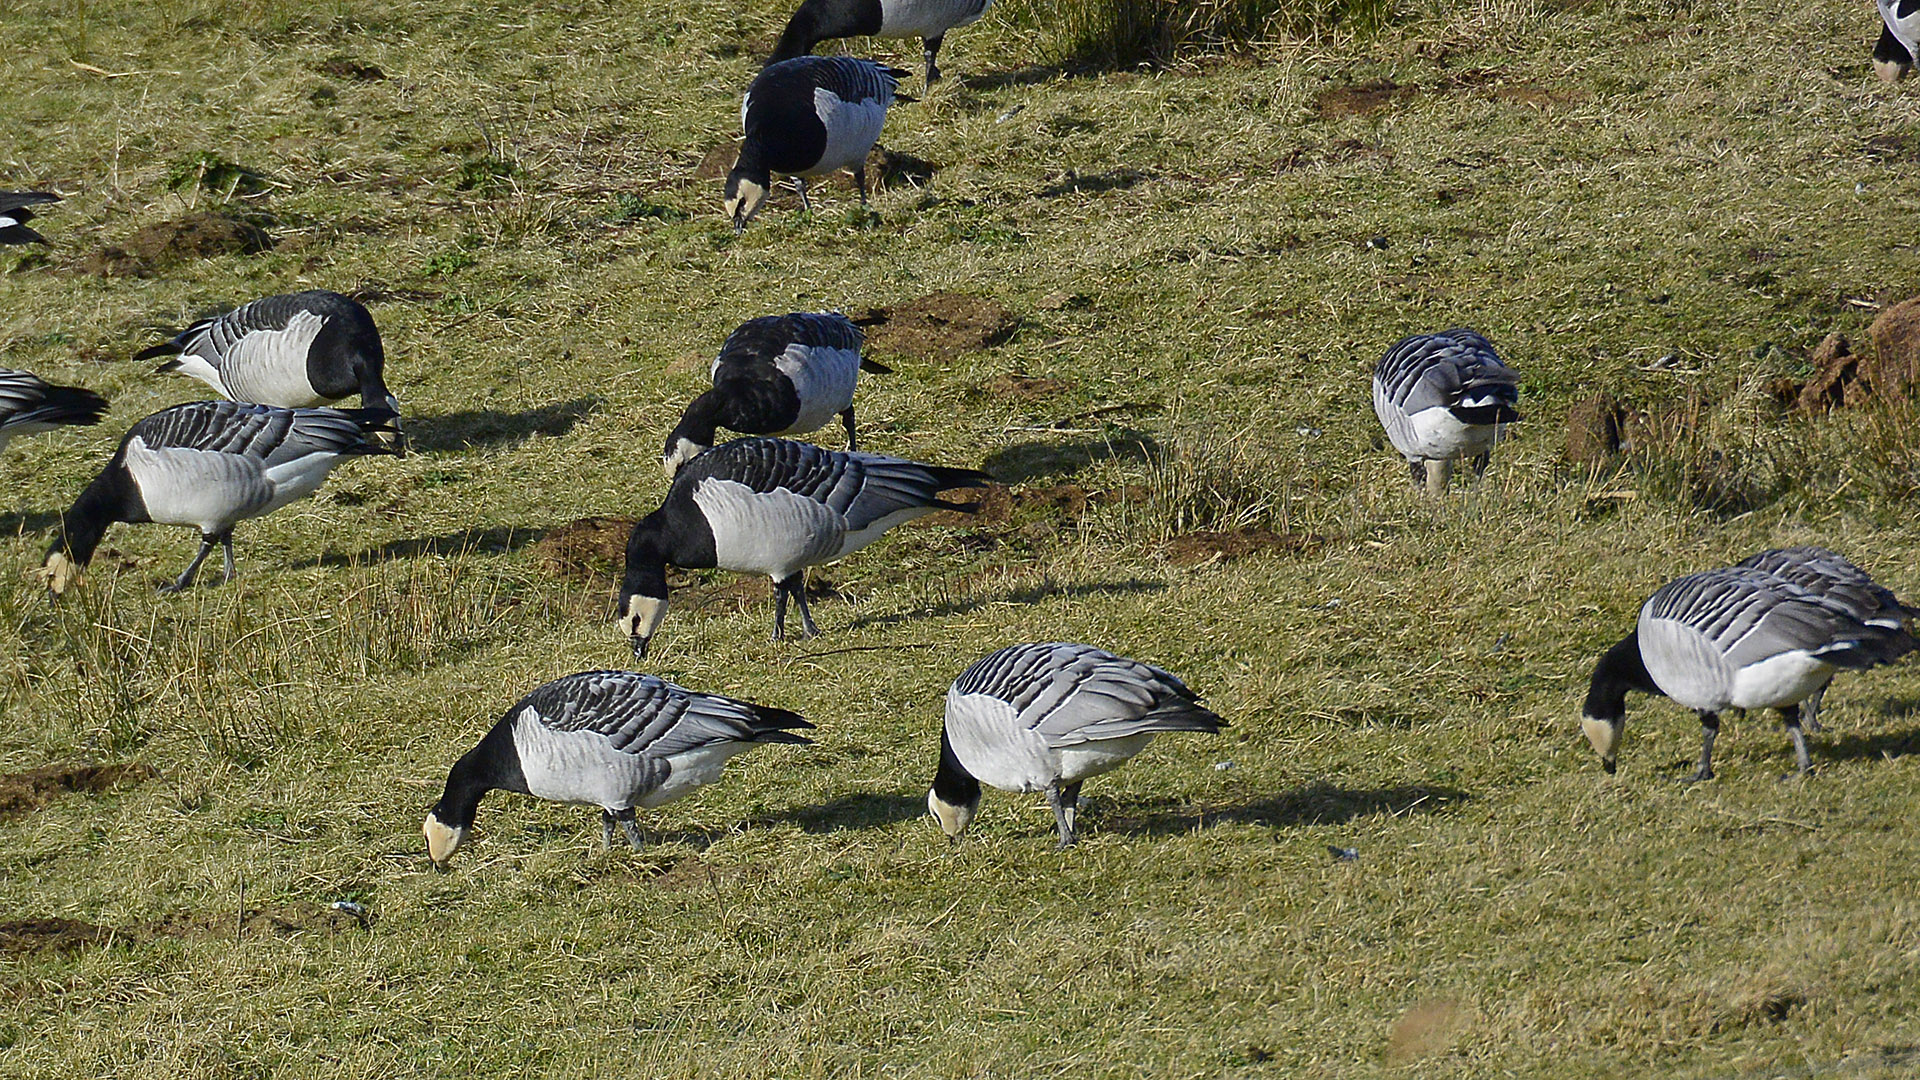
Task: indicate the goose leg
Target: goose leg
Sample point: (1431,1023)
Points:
(1064,799)
(627,825)
(1480,463)
(800,184)
(186,576)
(847,416)
(1709,729)
(226,549)
(1791,717)
(780,608)
(606,828)
(806,615)
(860,181)
(1437,473)
(933,50)
(1810,709)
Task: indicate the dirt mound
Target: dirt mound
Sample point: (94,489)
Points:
(346,67)
(889,169)
(1363,100)
(22,936)
(1594,429)
(1048,506)
(1202,548)
(717,161)
(1836,379)
(586,550)
(938,327)
(25,792)
(1896,350)
(198,235)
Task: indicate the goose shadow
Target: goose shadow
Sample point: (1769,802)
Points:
(478,428)
(495,540)
(1030,595)
(865,810)
(27,521)
(1034,460)
(1891,744)
(1092,183)
(1031,75)
(1315,804)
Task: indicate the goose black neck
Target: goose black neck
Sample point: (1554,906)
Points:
(1620,669)
(954,785)
(699,422)
(646,570)
(800,36)
(494,764)
(111,497)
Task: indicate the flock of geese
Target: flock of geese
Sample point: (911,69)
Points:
(1770,632)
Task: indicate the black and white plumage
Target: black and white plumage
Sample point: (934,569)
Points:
(807,117)
(295,351)
(14,215)
(1742,637)
(1899,39)
(1047,717)
(928,20)
(211,464)
(30,404)
(1442,397)
(776,375)
(773,507)
(612,739)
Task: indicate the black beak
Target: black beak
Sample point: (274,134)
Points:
(1609,764)
(640,647)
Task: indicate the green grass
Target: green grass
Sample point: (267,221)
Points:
(1594,185)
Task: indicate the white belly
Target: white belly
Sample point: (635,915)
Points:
(775,533)
(927,18)
(576,766)
(852,127)
(692,770)
(298,478)
(1433,434)
(823,378)
(1786,679)
(854,541)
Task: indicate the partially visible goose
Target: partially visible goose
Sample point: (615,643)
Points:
(1899,39)
(773,507)
(30,404)
(612,739)
(1442,397)
(1838,581)
(295,351)
(14,215)
(211,464)
(776,375)
(807,117)
(928,20)
(1048,717)
(1740,637)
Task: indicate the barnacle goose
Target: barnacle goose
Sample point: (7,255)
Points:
(30,404)
(612,739)
(1741,637)
(296,351)
(928,20)
(1899,39)
(1441,397)
(210,464)
(1838,581)
(776,375)
(773,507)
(1047,717)
(14,215)
(807,117)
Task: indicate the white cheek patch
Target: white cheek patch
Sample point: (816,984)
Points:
(1604,735)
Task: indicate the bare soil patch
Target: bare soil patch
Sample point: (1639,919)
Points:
(283,920)
(1201,548)
(586,550)
(199,235)
(1896,350)
(1595,429)
(21,937)
(937,327)
(25,792)
(1362,100)
(349,69)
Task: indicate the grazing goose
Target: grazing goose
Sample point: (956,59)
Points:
(14,215)
(612,739)
(773,507)
(1441,397)
(1046,718)
(1838,581)
(1740,637)
(29,404)
(295,351)
(210,464)
(928,20)
(807,117)
(776,375)
(1899,39)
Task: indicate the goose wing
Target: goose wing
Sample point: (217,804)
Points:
(1836,579)
(1748,616)
(14,215)
(1456,370)
(647,716)
(1073,694)
(28,401)
(861,488)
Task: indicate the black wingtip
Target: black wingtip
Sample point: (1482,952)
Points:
(165,348)
(874,366)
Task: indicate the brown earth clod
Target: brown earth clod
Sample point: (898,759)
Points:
(1595,429)
(1836,379)
(589,549)
(938,327)
(19,937)
(1894,371)
(25,792)
(1202,548)
(199,235)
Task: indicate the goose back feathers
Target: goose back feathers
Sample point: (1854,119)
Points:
(210,464)
(29,404)
(15,212)
(295,351)
(612,739)
(774,507)
(1442,397)
(776,375)
(807,117)
(929,20)
(1047,717)
(1899,39)
(1745,637)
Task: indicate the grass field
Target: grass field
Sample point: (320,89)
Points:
(1669,201)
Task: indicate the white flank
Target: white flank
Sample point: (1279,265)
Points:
(823,377)
(575,766)
(852,127)
(693,770)
(775,533)
(195,366)
(270,366)
(927,18)
(203,488)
